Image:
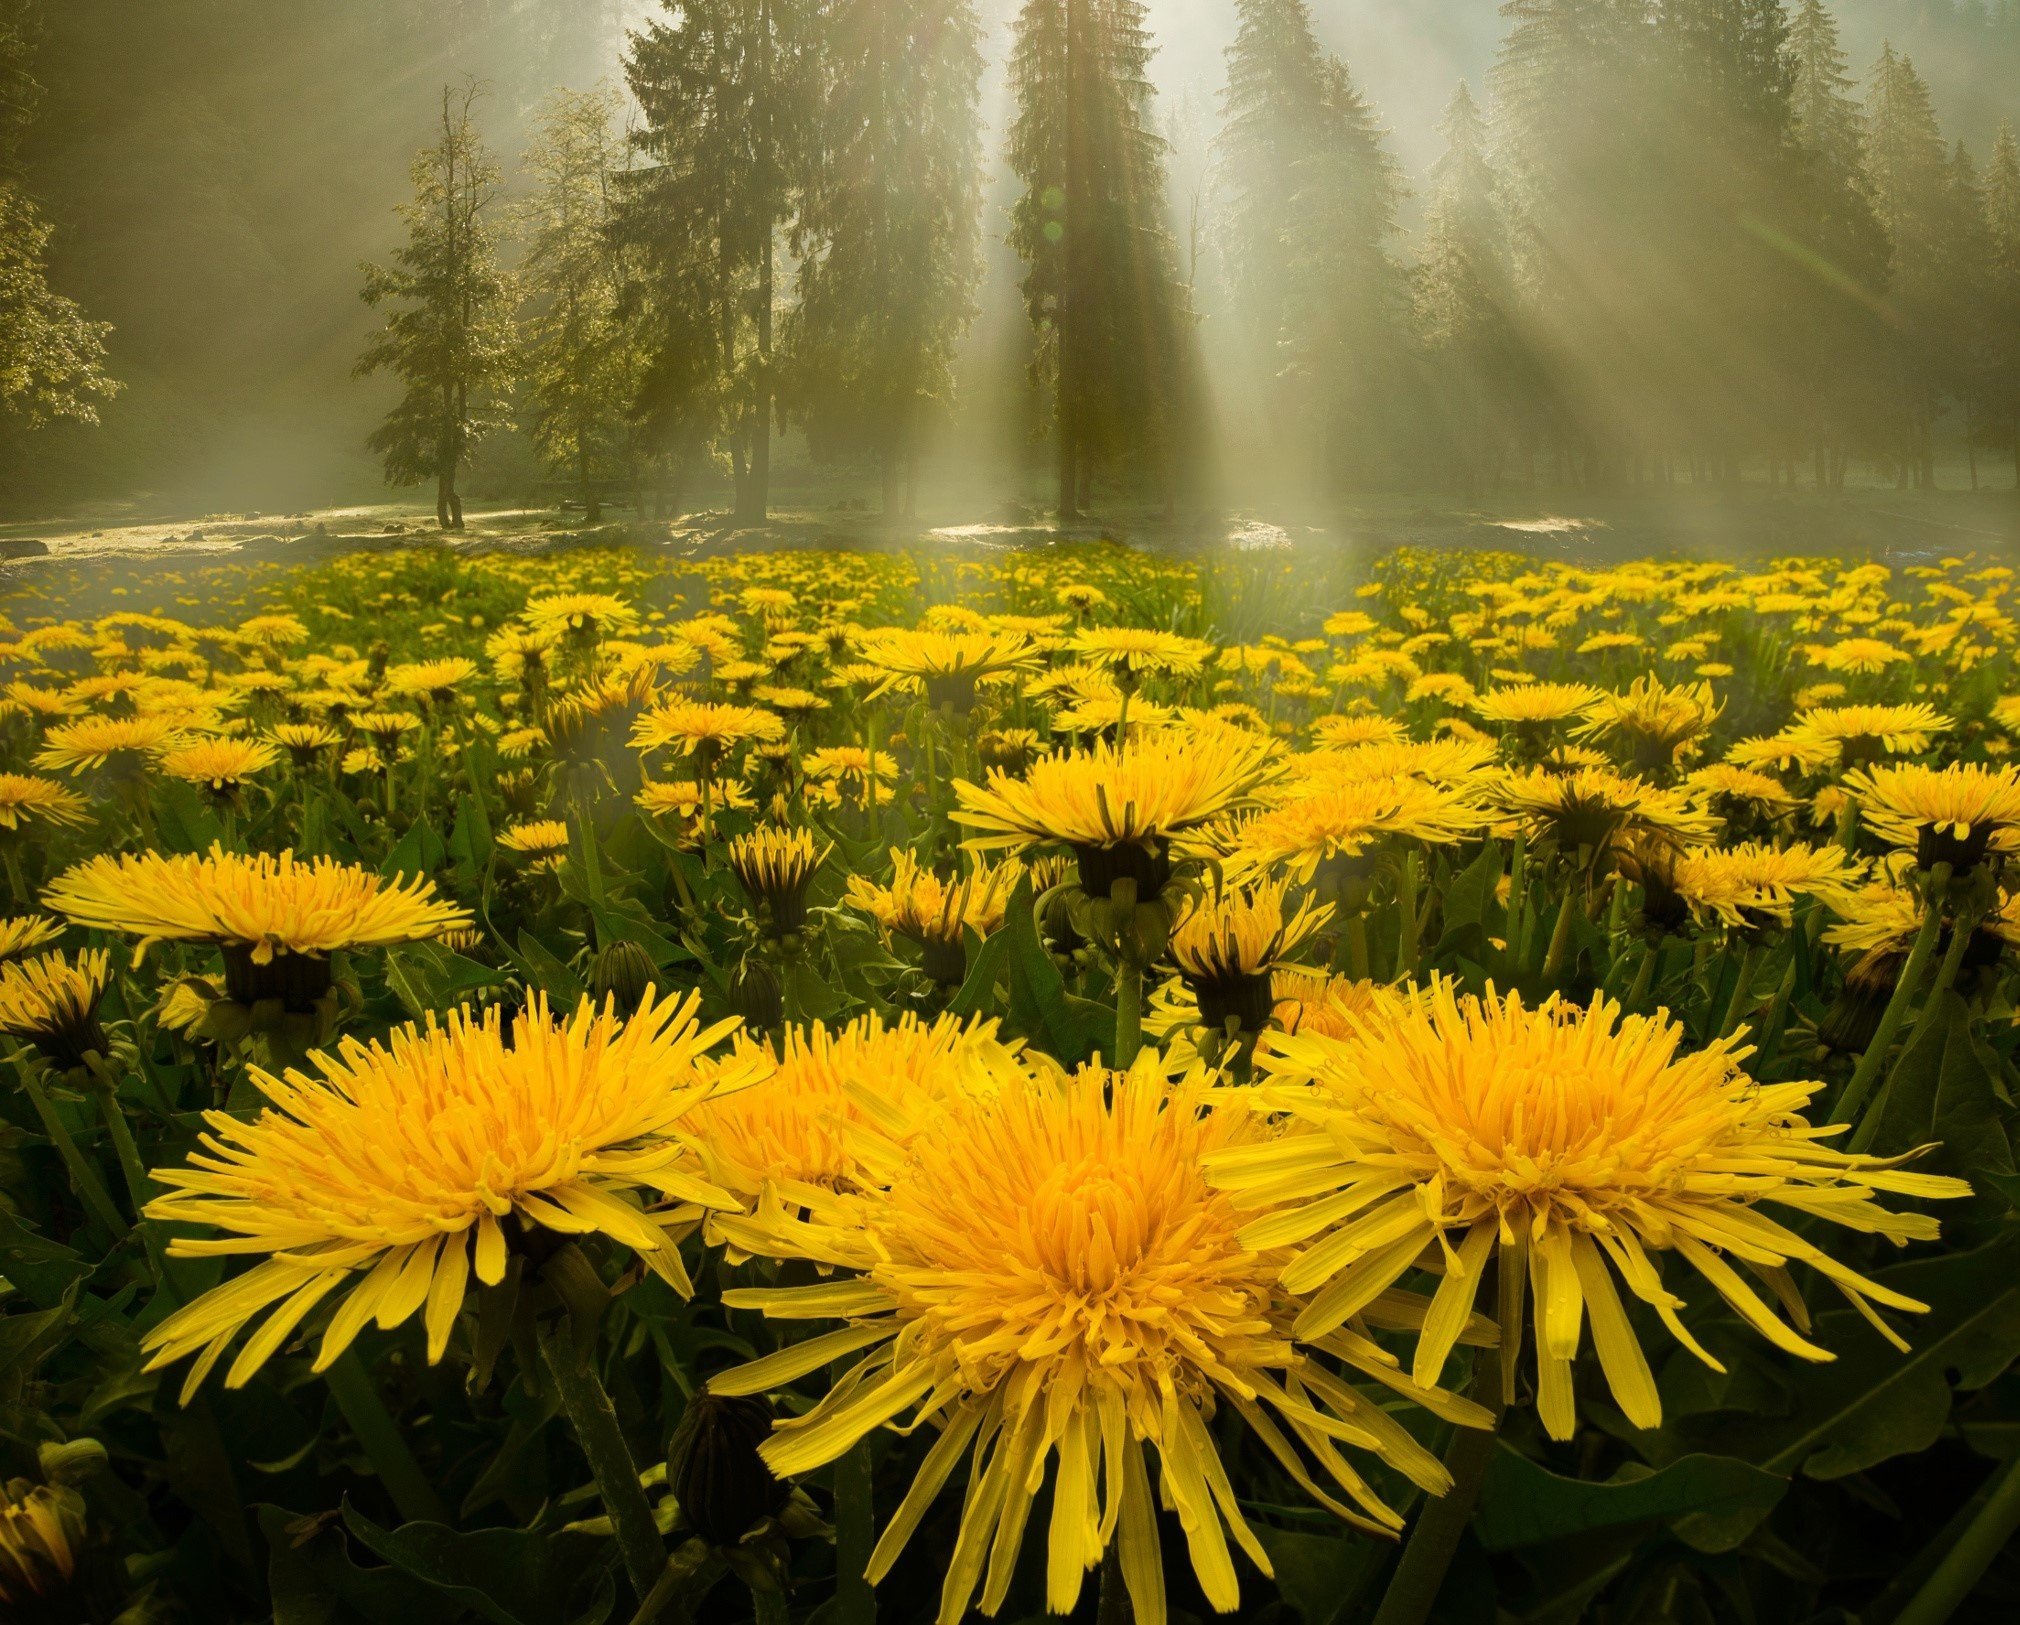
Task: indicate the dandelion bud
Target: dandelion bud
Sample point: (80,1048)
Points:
(625,972)
(755,994)
(714,1471)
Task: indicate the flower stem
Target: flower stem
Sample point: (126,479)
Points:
(84,1178)
(686,1579)
(1735,1006)
(121,1132)
(1946,975)
(855,1536)
(1128,1011)
(1357,946)
(1905,991)
(1967,1560)
(1113,1606)
(385,1445)
(1420,1575)
(1644,978)
(594,1420)
(1560,937)
(1406,946)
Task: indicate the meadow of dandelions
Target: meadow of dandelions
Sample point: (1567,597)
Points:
(584,1088)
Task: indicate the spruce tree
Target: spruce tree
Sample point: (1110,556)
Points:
(1908,177)
(1112,323)
(449,338)
(1840,325)
(1963,339)
(2002,288)
(1312,197)
(888,234)
(723,89)
(1587,219)
(1466,294)
(579,363)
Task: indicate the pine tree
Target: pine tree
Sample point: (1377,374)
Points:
(580,362)
(1466,294)
(2002,293)
(1823,109)
(1840,324)
(888,235)
(1587,221)
(1963,340)
(52,357)
(450,339)
(1312,198)
(723,89)
(1907,174)
(1113,324)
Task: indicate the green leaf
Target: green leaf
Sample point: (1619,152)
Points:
(420,852)
(1946,1089)
(1038,1003)
(42,1269)
(1523,1504)
(314,1582)
(809,997)
(1471,894)
(985,965)
(551,975)
(1873,1402)
(508,1576)
(1320,1575)
(182,820)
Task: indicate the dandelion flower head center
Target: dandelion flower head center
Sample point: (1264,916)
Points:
(1058,1228)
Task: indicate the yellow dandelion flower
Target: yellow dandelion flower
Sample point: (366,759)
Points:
(1342,820)
(1948,815)
(1530,705)
(52,1002)
(1134,652)
(1859,655)
(1230,941)
(433,680)
(1728,789)
(23,933)
(542,840)
(305,741)
(126,744)
(222,764)
(261,911)
(1596,806)
(1049,1279)
(944,666)
(1572,1141)
(1341,731)
(398,1171)
(1752,885)
(822,1115)
(1860,734)
(42,1534)
(775,867)
(25,797)
(582,616)
(1118,806)
(1656,719)
(704,730)
(935,912)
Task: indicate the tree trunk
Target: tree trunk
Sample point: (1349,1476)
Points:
(592,509)
(888,469)
(1071,475)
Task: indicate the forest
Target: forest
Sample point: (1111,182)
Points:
(887,812)
(646,254)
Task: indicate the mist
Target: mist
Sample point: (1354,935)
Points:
(215,173)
